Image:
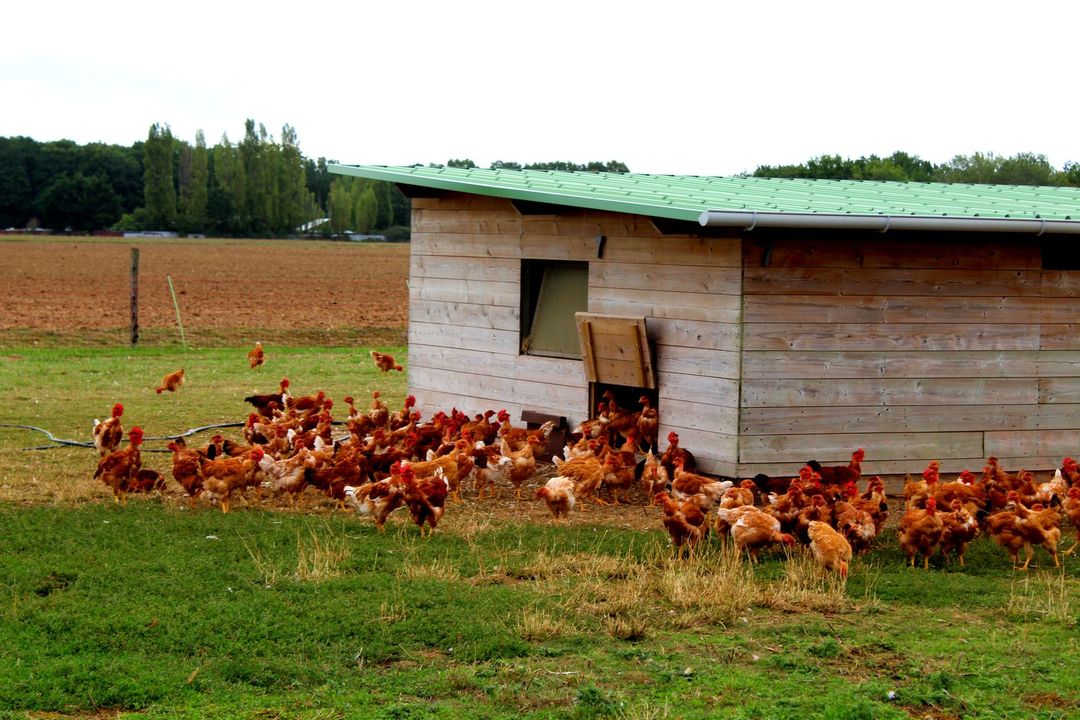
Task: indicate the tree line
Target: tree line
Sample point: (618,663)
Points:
(260,187)
(257,187)
(984,168)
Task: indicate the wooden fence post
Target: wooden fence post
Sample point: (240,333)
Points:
(134,296)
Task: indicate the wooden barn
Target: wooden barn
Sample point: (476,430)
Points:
(771,321)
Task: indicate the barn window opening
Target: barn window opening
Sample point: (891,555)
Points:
(552,292)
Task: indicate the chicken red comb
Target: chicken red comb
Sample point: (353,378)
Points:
(967,476)
(410,401)
(931,505)
(284,382)
(503,416)
(257,454)
(930,472)
(859,454)
(395,469)
(673,437)
(1068,463)
(118,410)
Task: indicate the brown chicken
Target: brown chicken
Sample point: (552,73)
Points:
(916,492)
(618,475)
(648,424)
(685,523)
(171,382)
(267,403)
(379,413)
(522,462)
(118,468)
(225,475)
(959,528)
(109,434)
(378,499)
(964,489)
(256,356)
(146,480)
(425,497)
(450,464)
(287,474)
(817,511)
(674,452)
(840,474)
(755,530)
(873,501)
(186,467)
(1039,526)
(1003,527)
(705,490)
(489,467)
(1071,506)
(1070,471)
(831,549)
(732,498)
(654,478)
(1054,491)
(558,495)
(385,361)
(920,532)
(786,508)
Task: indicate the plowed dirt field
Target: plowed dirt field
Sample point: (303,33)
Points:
(78,291)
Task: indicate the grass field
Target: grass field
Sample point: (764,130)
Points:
(159,610)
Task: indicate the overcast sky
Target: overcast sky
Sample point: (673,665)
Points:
(705,88)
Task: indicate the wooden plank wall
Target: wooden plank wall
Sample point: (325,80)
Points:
(916,348)
(464,314)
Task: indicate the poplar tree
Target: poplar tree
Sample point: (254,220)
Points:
(341,206)
(159,192)
(196,211)
(294,198)
(365,210)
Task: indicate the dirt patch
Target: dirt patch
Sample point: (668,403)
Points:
(80,291)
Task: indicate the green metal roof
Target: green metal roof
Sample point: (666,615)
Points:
(685,197)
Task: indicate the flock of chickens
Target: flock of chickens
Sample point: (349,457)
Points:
(1014,510)
(390,459)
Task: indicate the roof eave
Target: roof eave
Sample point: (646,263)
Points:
(749,220)
(478,188)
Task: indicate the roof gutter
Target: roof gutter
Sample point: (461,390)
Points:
(883,223)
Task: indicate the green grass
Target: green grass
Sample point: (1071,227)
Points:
(160,611)
(168,612)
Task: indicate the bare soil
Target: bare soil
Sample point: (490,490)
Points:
(78,291)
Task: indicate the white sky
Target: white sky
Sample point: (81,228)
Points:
(706,88)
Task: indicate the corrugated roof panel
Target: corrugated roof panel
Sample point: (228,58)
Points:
(686,197)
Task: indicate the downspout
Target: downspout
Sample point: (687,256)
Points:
(750,220)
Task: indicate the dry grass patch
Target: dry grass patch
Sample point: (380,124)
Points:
(320,556)
(805,587)
(713,587)
(537,626)
(1045,595)
(393,612)
(443,570)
